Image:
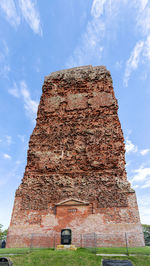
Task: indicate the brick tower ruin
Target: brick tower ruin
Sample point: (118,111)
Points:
(75,176)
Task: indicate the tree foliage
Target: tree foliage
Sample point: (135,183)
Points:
(3,233)
(146,231)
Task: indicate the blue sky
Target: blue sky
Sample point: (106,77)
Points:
(39,37)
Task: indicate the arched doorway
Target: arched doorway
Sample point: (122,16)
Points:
(66,236)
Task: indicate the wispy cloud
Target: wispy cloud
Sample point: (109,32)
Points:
(90,45)
(4,65)
(6,156)
(7,175)
(29,104)
(14,91)
(141,174)
(146,52)
(141,51)
(144,208)
(135,186)
(5,50)
(143,4)
(27,9)
(130,147)
(21,91)
(98,8)
(143,19)
(31,15)
(139,55)
(133,61)
(4,71)
(8,139)
(105,15)
(147,184)
(10,11)
(144,152)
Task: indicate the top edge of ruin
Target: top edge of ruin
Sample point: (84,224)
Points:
(82,72)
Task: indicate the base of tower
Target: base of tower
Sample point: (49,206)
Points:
(76,222)
(53,239)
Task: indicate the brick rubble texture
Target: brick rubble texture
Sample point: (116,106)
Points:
(76,151)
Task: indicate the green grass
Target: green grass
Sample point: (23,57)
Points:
(123,250)
(14,250)
(143,250)
(81,257)
(57,258)
(21,250)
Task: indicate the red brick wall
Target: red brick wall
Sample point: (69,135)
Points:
(76,151)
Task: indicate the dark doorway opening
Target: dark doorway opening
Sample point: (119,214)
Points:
(65,236)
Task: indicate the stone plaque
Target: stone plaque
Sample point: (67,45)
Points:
(117,263)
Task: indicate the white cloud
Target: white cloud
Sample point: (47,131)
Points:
(14,91)
(13,11)
(144,208)
(141,52)
(29,104)
(145,214)
(143,4)
(143,21)
(128,163)
(21,91)
(139,4)
(139,55)
(6,156)
(99,29)
(135,186)
(130,147)
(141,174)
(7,175)
(8,139)
(4,53)
(4,70)
(9,8)
(146,52)
(98,8)
(147,184)
(133,61)
(144,152)
(5,50)
(90,45)
(31,15)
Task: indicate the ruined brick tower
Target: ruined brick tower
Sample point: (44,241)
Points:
(75,176)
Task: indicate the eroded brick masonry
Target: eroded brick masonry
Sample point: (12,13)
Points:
(75,176)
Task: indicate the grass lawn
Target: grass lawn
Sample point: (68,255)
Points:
(14,250)
(87,257)
(122,250)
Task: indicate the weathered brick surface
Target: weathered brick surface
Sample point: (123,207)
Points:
(76,151)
